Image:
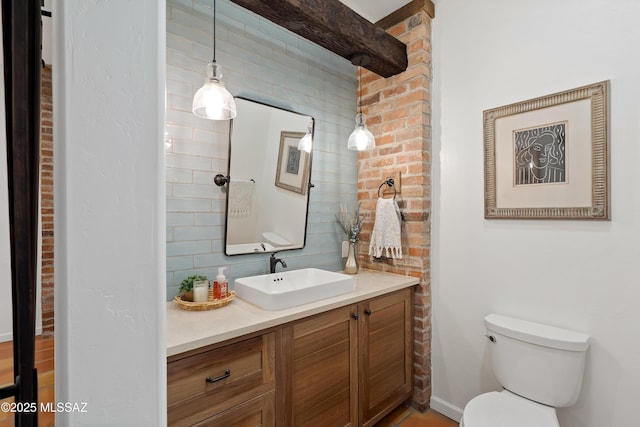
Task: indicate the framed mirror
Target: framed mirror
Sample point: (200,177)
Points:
(269,179)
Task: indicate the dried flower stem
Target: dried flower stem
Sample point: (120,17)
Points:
(351,223)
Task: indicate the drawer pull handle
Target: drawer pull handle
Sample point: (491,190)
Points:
(367,312)
(210,380)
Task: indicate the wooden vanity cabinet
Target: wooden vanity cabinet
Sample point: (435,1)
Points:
(347,367)
(229,385)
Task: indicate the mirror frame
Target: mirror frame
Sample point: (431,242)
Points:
(228,177)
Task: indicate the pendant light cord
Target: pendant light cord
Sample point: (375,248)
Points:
(360,90)
(214,31)
(360,59)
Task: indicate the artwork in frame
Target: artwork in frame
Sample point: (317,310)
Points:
(547,158)
(293,165)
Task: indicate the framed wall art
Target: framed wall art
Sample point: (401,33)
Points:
(293,165)
(547,157)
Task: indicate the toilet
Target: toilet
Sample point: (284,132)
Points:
(540,368)
(275,240)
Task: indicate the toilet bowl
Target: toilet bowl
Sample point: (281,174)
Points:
(540,368)
(504,408)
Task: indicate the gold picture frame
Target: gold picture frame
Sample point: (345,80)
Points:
(293,165)
(547,158)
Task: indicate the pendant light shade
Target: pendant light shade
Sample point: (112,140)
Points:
(213,101)
(306,142)
(361,139)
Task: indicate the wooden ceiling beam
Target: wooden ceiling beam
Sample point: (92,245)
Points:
(336,27)
(406,11)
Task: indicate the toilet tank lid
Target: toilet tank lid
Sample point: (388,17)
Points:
(275,239)
(537,333)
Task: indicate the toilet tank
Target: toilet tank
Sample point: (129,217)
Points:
(539,362)
(275,239)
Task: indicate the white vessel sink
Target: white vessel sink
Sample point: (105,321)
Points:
(286,289)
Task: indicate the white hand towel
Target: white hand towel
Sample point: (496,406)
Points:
(386,237)
(240,195)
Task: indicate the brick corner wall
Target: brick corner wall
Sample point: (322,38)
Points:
(398,111)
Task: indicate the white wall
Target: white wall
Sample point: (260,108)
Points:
(581,275)
(110,212)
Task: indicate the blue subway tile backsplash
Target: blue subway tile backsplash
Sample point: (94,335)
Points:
(266,63)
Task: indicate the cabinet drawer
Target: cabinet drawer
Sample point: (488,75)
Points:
(209,382)
(257,412)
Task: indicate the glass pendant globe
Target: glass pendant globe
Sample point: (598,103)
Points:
(213,101)
(361,139)
(306,142)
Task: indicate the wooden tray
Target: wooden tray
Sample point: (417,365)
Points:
(201,306)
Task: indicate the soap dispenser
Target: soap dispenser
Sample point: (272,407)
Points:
(220,285)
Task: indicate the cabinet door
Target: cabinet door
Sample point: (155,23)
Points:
(386,351)
(320,367)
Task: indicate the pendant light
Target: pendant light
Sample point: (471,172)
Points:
(361,138)
(306,142)
(213,101)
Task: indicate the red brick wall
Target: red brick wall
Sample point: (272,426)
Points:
(46,200)
(398,111)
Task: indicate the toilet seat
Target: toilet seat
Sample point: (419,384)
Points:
(505,409)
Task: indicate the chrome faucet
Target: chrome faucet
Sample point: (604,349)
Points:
(273,261)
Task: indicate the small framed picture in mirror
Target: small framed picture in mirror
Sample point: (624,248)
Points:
(293,165)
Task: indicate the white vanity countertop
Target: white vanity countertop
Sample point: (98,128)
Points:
(188,330)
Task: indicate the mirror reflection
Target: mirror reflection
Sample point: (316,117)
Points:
(268,188)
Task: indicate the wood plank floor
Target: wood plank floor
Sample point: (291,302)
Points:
(404,416)
(44,365)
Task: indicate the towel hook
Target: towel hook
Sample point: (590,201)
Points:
(221,180)
(391,183)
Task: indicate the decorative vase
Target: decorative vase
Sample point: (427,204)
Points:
(351,265)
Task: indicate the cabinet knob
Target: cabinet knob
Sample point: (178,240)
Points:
(354,316)
(367,312)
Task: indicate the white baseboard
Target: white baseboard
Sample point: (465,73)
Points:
(9,335)
(446,408)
